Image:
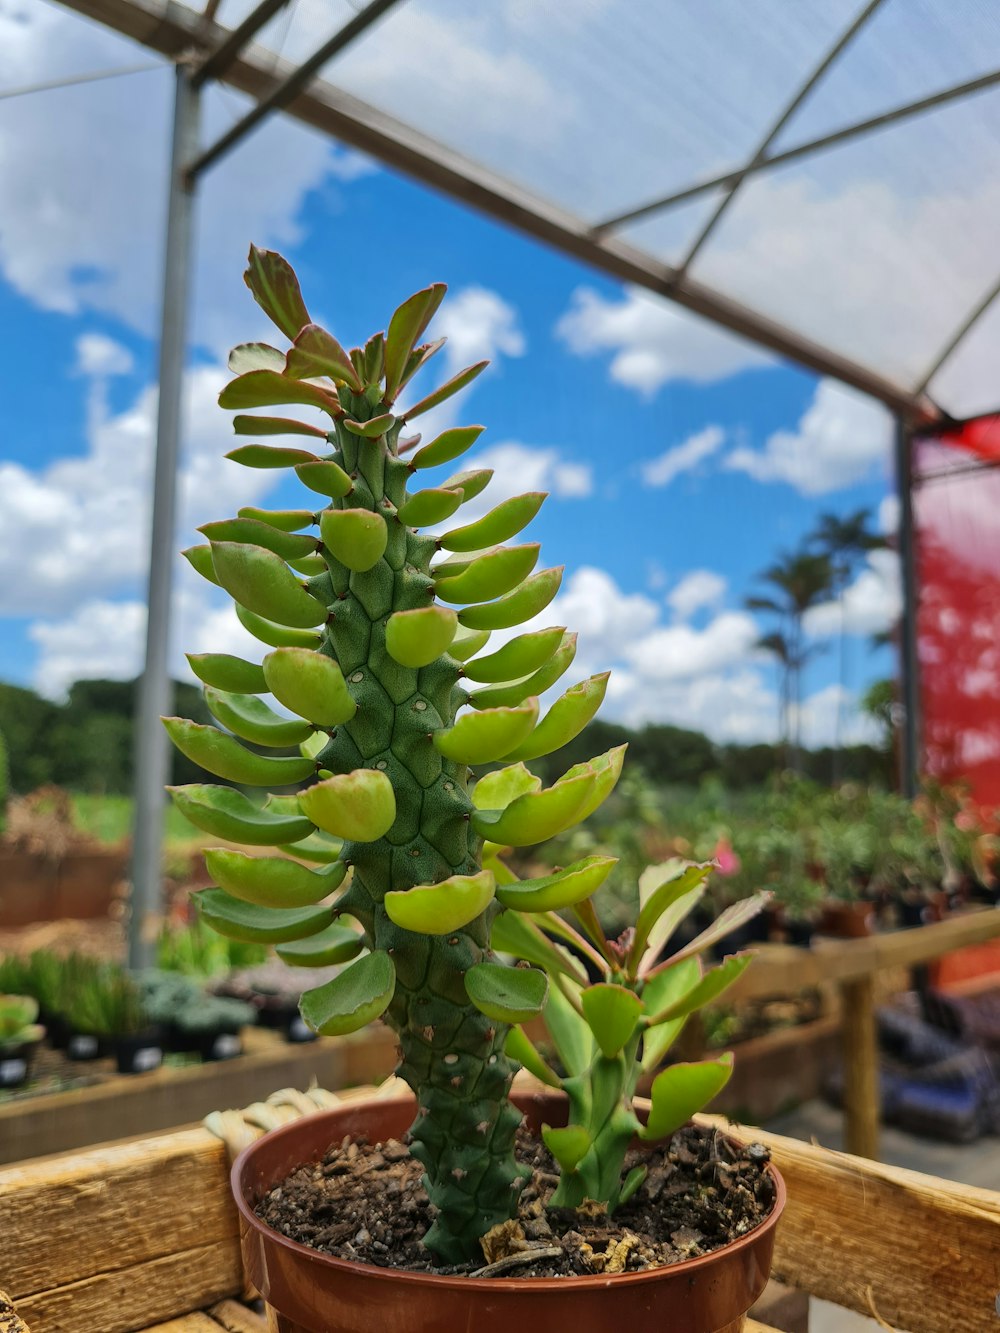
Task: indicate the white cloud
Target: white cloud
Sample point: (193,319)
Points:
(97,354)
(888,515)
(842,436)
(651,341)
(518,468)
(85,170)
(679,652)
(662,470)
(699,588)
(77,529)
(871,604)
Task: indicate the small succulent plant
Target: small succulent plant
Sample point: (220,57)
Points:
(609,1033)
(17,1022)
(377,633)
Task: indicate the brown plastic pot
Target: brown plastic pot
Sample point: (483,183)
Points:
(309,1292)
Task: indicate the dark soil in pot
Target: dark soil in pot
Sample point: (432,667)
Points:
(365,1203)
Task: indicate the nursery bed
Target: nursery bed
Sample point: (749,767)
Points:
(108,1105)
(139,1235)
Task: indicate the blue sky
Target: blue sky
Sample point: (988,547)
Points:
(680,461)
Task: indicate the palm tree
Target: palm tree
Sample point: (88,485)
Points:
(800,580)
(845,541)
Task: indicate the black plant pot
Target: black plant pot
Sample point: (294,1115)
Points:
(297,1031)
(15,1064)
(83,1046)
(139,1052)
(57,1030)
(221,1044)
(800,933)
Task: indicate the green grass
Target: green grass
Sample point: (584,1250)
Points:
(109,819)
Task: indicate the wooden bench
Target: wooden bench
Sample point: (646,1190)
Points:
(142,1235)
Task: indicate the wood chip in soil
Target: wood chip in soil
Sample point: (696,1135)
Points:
(365,1203)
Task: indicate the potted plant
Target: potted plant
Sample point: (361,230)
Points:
(388,855)
(108,1007)
(20,1037)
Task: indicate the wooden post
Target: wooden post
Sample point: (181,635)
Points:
(860,1048)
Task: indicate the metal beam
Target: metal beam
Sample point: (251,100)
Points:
(845,39)
(843,135)
(219,60)
(152,750)
(347,118)
(966,327)
(910,753)
(290,86)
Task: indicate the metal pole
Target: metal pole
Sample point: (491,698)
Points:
(909,664)
(155,691)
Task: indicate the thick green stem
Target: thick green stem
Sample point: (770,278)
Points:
(452,1056)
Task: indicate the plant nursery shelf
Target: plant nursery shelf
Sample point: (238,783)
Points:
(852,965)
(142,1235)
(121,1106)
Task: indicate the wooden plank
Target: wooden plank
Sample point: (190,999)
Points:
(921,1253)
(189,1323)
(859,1040)
(115,1207)
(131,1298)
(752,1326)
(236,1318)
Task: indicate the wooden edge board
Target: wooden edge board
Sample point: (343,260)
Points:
(10,1320)
(918,1252)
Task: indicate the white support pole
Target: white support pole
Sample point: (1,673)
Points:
(152,756)
(909,766)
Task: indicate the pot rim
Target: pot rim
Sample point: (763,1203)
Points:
(453,1281)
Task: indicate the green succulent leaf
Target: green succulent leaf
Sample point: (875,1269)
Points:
(448,445)
(255,356)
(315,353)
(536,816)
(405,330)
(289,545)
(417,638)
(518,657)
(664,906)
(355,537)
(613,1014)
(447,390)
(278,636)
(270,456)
(608,768)
(489,575)
(715,981)
(521,938)
(288,520)
(469,484)
(226,672)
(520,1048)
(566,718)
(318,847)
(243,425)
(325,478)
(522,604)
(218,753)
(373,427)
(310,684)
(737,914)
(200,560)
(263,583)
(227,813)
(272,881)
(569,1145)
(508,994)
(419,358)
(500,524)
(374,358)
(276,290)
(250,718)
(310,565)
(360,805)
(563,888)
(496,790)
(570,1033)
(430,506)
(439,909)
(481,738)
(497,696)
(681,1091)
(269,388)
(631,1183)
(329,947)
(352,1000)
(239,920)
(468,642)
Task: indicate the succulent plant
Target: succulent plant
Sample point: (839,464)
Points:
(377,631)
(608,1033)
(17,1021)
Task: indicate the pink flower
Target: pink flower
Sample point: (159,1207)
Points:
(725,858)
(966,821)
